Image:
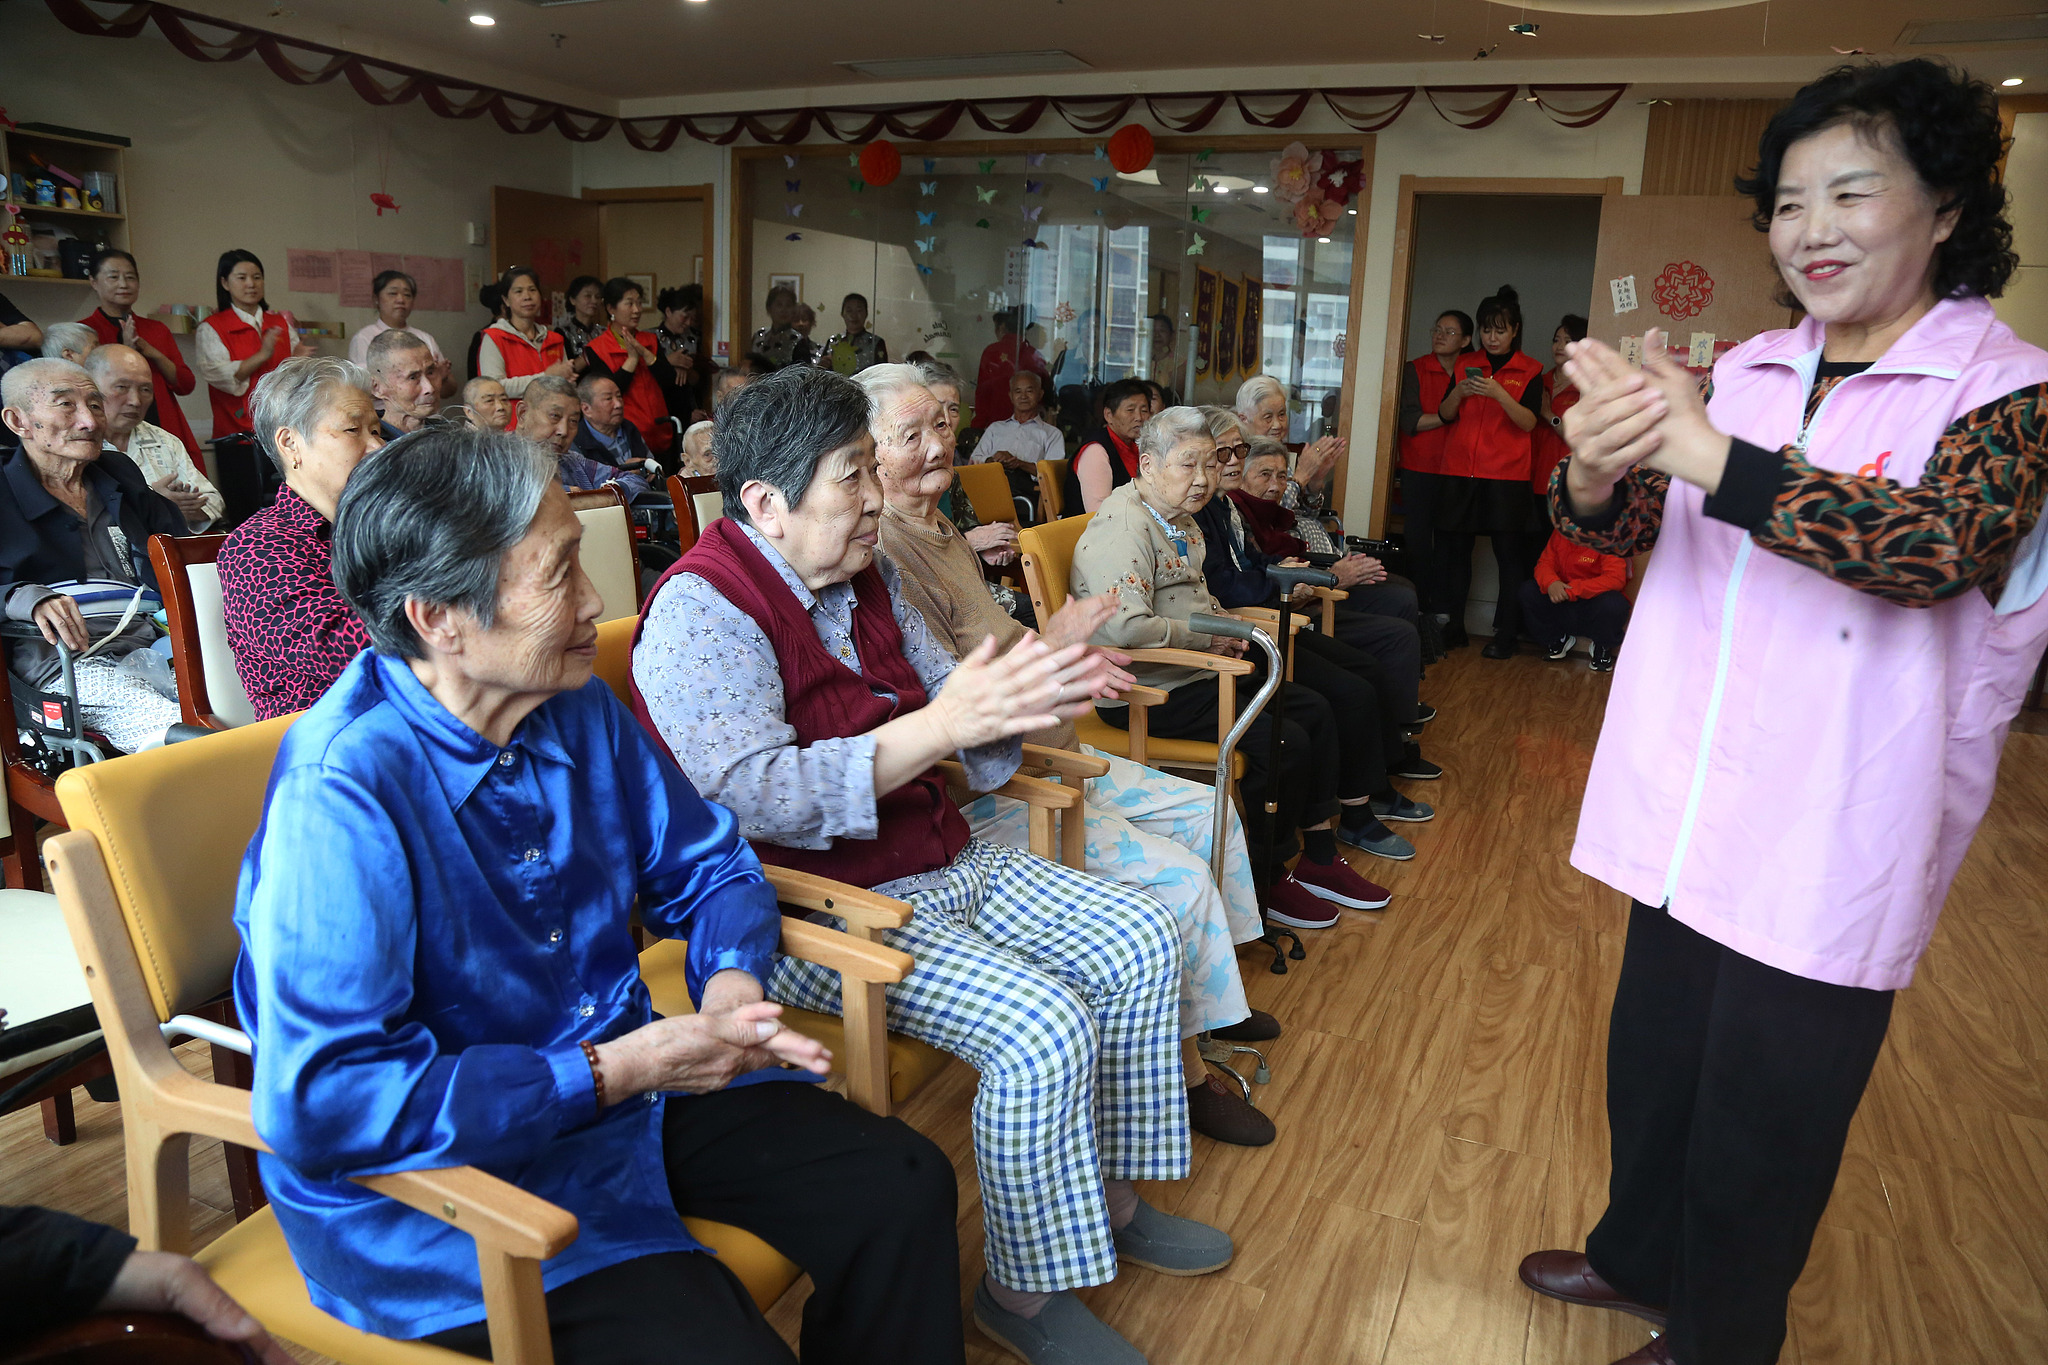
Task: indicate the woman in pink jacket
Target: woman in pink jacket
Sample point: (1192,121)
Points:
(1843,612)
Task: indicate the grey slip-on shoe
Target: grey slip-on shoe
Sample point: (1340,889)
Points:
(1065,1333)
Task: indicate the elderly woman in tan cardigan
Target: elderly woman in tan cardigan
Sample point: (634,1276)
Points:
(1143,545)
(1145,830)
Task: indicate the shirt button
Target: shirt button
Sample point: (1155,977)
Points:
(505,759)
(587,1011)
(555,937)
(533,855)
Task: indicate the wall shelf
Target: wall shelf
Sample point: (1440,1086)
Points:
(79,156)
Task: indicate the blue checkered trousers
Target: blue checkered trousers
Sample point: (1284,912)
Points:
(1063,990)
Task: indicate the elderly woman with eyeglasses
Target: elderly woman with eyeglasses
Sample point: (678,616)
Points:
(290,630)
(781,665)
(1146,830)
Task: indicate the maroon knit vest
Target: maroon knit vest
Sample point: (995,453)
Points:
(918,828)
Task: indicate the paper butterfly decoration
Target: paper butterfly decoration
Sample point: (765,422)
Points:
(988,166)
(1203,155)
(930,165)
(1201,184)
(1034,159)
(1031,214)
(856,184)
(1034,187)
(789,161)
(984,196)
(925,219)
(796,210)
(925,245)
(927,187)
(1200,215)
(1101,183)
(1195,248)
(1031,241)
(1101,152)
(853,213)
(923,269)
(981,222)
(794,237)
(853,159)
(792,185)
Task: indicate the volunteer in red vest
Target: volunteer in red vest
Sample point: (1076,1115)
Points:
(1425,382)
(116,280)
(244,340)
(630,357)
(1559,394)
(1577,591)
(780,665)
(519,345)
(1490,412)
(1108,457)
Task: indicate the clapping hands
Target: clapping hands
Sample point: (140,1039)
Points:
(1627,416)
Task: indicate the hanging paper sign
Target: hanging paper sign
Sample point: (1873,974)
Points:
(1205,318)
(1228,296)
(1623,291)
(1632,351)
(1700,354)
(1251,342)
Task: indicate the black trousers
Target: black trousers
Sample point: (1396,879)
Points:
(1730,1086)
(1380,621)
(1514,559)
(249,480)
(864,1204)
(1602,619)
(1419,495)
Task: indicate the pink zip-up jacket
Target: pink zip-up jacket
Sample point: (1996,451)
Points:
(1792,765)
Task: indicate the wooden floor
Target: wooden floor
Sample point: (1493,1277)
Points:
(1439,1099)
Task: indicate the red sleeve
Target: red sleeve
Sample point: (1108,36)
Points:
(1546,564)
(161,338)
(1612,577)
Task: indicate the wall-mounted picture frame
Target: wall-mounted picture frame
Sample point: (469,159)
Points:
(646,283)
(794,282)
(697,264)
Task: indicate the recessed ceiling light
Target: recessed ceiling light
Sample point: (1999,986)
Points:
(2013,80)
(1324,240)
(1352,212)
(1258,189)
(482,20)
(1220,189)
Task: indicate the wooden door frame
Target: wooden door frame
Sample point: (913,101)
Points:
(740,259)
(1402,287)
(706,196)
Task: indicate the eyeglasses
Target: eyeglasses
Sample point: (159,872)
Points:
(1232,454)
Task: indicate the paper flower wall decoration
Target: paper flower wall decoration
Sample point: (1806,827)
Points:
(925,219)
(1064,314)
(1315,215)
(1296,172)
(1196,247)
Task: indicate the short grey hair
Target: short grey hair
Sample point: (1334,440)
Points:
(886,383)
(1265,447)
(1168,428)
(549,386)
(24,383)
(389,341)
(294,394)
(935,374)
(474,387)
(75,337)
(104,357)
(1252,390)
(428,519)
(1222,422)
(777,429)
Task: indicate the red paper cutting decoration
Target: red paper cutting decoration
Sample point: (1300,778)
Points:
(880,162)
(1130,148)
(1683,291)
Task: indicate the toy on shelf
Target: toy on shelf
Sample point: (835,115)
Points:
(14,243)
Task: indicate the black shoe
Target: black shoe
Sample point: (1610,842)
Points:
(1603,658)
(1561,648)
(1455,636)
(1424,713)
(1414,766)
(1499,647)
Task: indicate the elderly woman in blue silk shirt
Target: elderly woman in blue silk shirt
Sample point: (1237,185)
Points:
(438,971)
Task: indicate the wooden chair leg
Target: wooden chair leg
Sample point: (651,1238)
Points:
(60,1123)
(24,867)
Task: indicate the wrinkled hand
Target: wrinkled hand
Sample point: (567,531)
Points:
(995,542)
(1614,425)
(190,503)
(733,1032)
(1227,647)
(128,330)
(1317,459)
(989,697)
(1356,570)
(160,1282)
(62,623)
(1691,446)
(1558,591)
(1076,623)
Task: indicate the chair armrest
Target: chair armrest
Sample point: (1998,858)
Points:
(1069,764)
(851,957)
(1331,594)
(1269,617)
(854,904)
(1032,791)
(1137,694)
(1190,658)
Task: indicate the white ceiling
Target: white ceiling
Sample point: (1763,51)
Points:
(676,50)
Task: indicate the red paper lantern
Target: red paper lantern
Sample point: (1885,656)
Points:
(1130,148)
(880,162)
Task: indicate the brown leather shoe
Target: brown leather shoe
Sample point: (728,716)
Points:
(1658,1352)
(1567,1275)
(1218,1110)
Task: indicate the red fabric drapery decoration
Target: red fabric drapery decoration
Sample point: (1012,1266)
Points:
(1365,109)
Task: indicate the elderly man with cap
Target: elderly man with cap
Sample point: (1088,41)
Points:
(127,385)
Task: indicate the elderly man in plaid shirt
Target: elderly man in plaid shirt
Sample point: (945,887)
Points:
(783,669)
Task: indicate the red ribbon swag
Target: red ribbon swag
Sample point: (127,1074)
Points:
(1365,109)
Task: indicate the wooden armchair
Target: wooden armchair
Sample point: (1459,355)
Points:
(209,690)
(698,503)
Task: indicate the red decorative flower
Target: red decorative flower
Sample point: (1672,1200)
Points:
(1683,291)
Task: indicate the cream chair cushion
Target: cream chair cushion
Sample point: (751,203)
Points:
(223,685)
(609,559)
(709,508)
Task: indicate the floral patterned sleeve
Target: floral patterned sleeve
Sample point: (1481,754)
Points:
(1631,522)
(1958,528)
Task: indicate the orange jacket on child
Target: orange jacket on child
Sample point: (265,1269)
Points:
(1585,573)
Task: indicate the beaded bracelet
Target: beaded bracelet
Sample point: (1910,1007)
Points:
(596,1075)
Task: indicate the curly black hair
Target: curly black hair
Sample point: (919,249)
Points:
(1947,125)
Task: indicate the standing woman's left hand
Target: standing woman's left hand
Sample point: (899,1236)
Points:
(1692,448)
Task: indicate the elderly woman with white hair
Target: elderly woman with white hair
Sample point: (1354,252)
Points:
(1146,830)
(73,510)
(291,632)
(780,664)
(72,341)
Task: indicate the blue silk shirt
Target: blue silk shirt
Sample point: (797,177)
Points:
(430,927)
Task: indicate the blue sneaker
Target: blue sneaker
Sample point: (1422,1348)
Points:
(1172,1246)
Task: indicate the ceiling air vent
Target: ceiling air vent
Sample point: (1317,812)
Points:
(2005,28)
(978,64)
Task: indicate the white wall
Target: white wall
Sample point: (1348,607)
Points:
(2025,305)
(230,156)
(616,164)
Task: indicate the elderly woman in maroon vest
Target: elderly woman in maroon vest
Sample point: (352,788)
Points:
(781,666)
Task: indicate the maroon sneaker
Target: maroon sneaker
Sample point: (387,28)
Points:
(1335,881)
(1290,903)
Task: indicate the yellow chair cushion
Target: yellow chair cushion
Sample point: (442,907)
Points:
(615,654)
(252,1262)
(911,1064)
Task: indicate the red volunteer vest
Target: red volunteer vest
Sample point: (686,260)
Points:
(165,411)
(1423,452)
(918,828)
(646,409)
(1484,443)
(231,412)
(1547,441)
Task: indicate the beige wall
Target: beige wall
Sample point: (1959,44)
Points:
(230,156)
(663,239)
(2025,305)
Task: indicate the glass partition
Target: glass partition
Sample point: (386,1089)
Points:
(1191,272)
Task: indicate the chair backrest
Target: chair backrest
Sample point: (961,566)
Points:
(697,503)
(615,654)
(1052,488)
(209,690)
(1048,558)
(172,824)
(987,487)
(609,556)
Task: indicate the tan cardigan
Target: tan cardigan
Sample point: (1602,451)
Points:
(1125,550)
